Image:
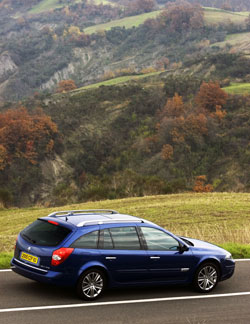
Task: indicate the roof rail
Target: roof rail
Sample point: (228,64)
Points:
(77,212)
(107,221)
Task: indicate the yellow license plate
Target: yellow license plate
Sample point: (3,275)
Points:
(29,257)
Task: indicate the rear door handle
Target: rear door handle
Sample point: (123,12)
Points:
(155,257)
(110,258)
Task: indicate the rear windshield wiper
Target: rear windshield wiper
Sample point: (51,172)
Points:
(28,238)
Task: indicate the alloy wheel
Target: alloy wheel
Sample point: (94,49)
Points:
(207,277)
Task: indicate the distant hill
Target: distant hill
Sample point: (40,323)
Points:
(86,43)
(133,124)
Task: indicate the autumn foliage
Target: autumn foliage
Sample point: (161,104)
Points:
(140,6)
(201,186)
(25,136)
(167,152)
(179,17)
(211,97)
(179,121)
(65,85)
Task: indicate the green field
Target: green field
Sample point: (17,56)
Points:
(216,217)
(127,22)
(238,88)
(46,5)
(241,40)
(221,218)
(115,81)
(212,16)
(243,13)
(215,16)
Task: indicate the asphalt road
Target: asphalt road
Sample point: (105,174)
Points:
(23,301)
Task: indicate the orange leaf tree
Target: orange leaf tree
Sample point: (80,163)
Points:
(25,136)
(211,96)
(66,85)
(200,185)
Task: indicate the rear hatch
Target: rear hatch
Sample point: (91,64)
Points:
(36,243)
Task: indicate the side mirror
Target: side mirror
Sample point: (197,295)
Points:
(183,248)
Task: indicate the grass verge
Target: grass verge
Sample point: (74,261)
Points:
(5,259)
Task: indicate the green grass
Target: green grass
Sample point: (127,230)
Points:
(215,217)
(212,16)
(238,88)
(127,22)
(105,2)
(115,81)
(220,218)
(243,13)
(5,260)
(240,41)
(239,251)
(46,5)
(215,16)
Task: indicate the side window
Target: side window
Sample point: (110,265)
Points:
(159,241)
(125,238)
(87,241)
(107,240)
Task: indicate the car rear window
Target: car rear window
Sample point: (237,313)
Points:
(87,241)
(41,232)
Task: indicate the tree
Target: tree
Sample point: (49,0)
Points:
(25,136)
(174,107)
(65,85)
(226,6)
(211,96)
(139,6)
(167,152)
(200,185)
(181,16)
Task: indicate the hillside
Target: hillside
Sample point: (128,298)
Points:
(157,106)
(119,141)
(50,41)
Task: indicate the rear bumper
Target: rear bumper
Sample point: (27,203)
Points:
(41,275)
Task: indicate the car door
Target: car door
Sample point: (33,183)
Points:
(166,261)
(123,254)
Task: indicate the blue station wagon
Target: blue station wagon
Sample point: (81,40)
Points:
(92,250)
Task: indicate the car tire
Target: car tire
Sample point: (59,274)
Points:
(206,277)
(91,284)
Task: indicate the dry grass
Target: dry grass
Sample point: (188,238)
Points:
(215,217)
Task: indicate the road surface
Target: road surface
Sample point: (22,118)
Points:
(23,301)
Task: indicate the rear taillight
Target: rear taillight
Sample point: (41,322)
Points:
(60,255)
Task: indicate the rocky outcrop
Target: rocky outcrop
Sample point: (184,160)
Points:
(7,66)
(80,60)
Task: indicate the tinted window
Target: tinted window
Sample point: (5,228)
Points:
(87,241)
(125,238)
(43,233)
(158,240)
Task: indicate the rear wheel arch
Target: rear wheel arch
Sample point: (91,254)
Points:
(97,267)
